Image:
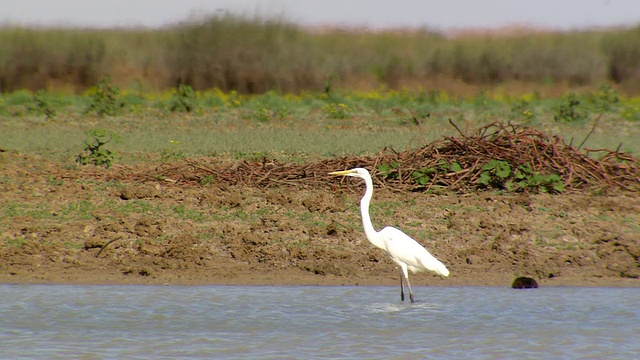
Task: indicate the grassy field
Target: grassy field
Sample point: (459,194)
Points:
(185,123)
(58,216)
(219,89)
(248,87)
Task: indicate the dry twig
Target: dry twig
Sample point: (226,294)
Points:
(511,143)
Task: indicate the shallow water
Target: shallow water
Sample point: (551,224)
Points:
(253,322)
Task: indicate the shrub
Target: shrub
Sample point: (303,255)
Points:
(337,111)
(105,99)
(568,109)
(41,105)
(501,175)
(94,151)
(183,99)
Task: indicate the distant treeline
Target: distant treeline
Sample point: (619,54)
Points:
(254,55)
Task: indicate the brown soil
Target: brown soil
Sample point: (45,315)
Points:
(95,226)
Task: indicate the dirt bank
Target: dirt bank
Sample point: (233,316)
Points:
(88,225)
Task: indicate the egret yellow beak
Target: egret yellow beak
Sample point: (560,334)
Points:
(344,172)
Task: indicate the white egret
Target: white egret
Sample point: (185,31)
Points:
(407,253)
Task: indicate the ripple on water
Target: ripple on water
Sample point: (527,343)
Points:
(38,321)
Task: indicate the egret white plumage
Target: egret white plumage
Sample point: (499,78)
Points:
(407,253)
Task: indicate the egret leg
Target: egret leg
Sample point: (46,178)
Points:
(410,291)
(404,277)
(401,286)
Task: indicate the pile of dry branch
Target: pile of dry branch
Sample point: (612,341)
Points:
(454,163)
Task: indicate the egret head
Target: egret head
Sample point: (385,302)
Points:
(355,172)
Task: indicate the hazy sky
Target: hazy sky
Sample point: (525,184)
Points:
(442,14)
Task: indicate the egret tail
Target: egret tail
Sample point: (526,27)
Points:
(435,265)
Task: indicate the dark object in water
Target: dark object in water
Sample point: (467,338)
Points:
(524,282)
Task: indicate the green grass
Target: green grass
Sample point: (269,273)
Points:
(80,210)
(189,214)
(306,131)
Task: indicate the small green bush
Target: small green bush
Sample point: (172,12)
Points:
(105,99)
(501,175)
(41,105)
(337,111)
(389,171)
(522,109)
(94,151)
(423,177)
(569,109)
(183,100)
(605,99)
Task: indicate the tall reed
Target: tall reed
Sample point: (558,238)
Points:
(255,55)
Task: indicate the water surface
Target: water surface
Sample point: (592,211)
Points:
(254,322)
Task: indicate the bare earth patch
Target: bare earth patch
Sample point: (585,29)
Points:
(97,226)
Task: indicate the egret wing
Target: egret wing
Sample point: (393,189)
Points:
(401,247)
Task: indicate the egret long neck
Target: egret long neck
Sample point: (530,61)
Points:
(369,231)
